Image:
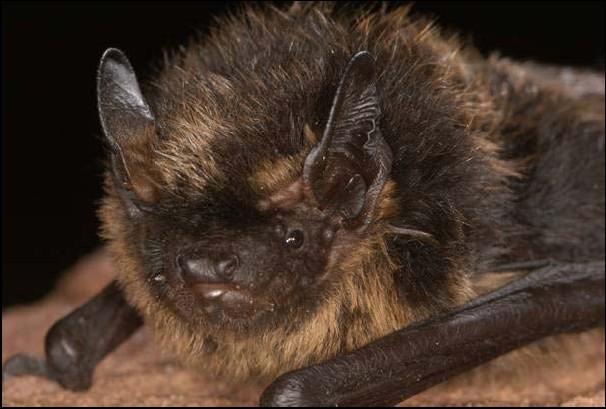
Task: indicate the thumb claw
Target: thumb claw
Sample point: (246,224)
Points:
(21,364)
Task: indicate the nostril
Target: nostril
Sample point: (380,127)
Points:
(180,262)
(227,267)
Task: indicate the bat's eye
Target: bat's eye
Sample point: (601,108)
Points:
(294,240)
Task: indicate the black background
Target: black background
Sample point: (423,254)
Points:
(51,151)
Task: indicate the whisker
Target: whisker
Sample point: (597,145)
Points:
(417,234)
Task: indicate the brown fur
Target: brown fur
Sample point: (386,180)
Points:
(365,299)
(366,291)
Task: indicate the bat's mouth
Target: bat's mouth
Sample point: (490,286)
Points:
(230,298)
(215,291)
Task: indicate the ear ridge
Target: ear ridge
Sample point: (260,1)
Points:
(358,108)
(344,99)
(127,122)
(347,169)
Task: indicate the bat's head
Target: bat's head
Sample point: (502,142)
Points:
(252,205)
(234,217)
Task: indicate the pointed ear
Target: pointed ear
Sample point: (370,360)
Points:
(128,123)
(347,169)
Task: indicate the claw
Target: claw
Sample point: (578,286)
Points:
(21,364)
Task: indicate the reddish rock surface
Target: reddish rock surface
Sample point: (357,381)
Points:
(137,374)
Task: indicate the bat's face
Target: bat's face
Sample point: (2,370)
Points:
(246,270)
(258,243)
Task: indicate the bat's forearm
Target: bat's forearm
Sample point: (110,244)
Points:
(552,300)
(76,343)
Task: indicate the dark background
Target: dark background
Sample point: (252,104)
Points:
(51,150)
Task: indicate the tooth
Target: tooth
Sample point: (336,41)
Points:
(214,293)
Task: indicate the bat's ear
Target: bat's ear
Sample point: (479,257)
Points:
(128,123)
(347,169)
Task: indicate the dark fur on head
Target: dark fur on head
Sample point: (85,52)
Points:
(235,117)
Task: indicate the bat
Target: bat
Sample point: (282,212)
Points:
(316,198)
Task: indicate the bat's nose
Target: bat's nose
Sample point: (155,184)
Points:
(214,280)
(200,270)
